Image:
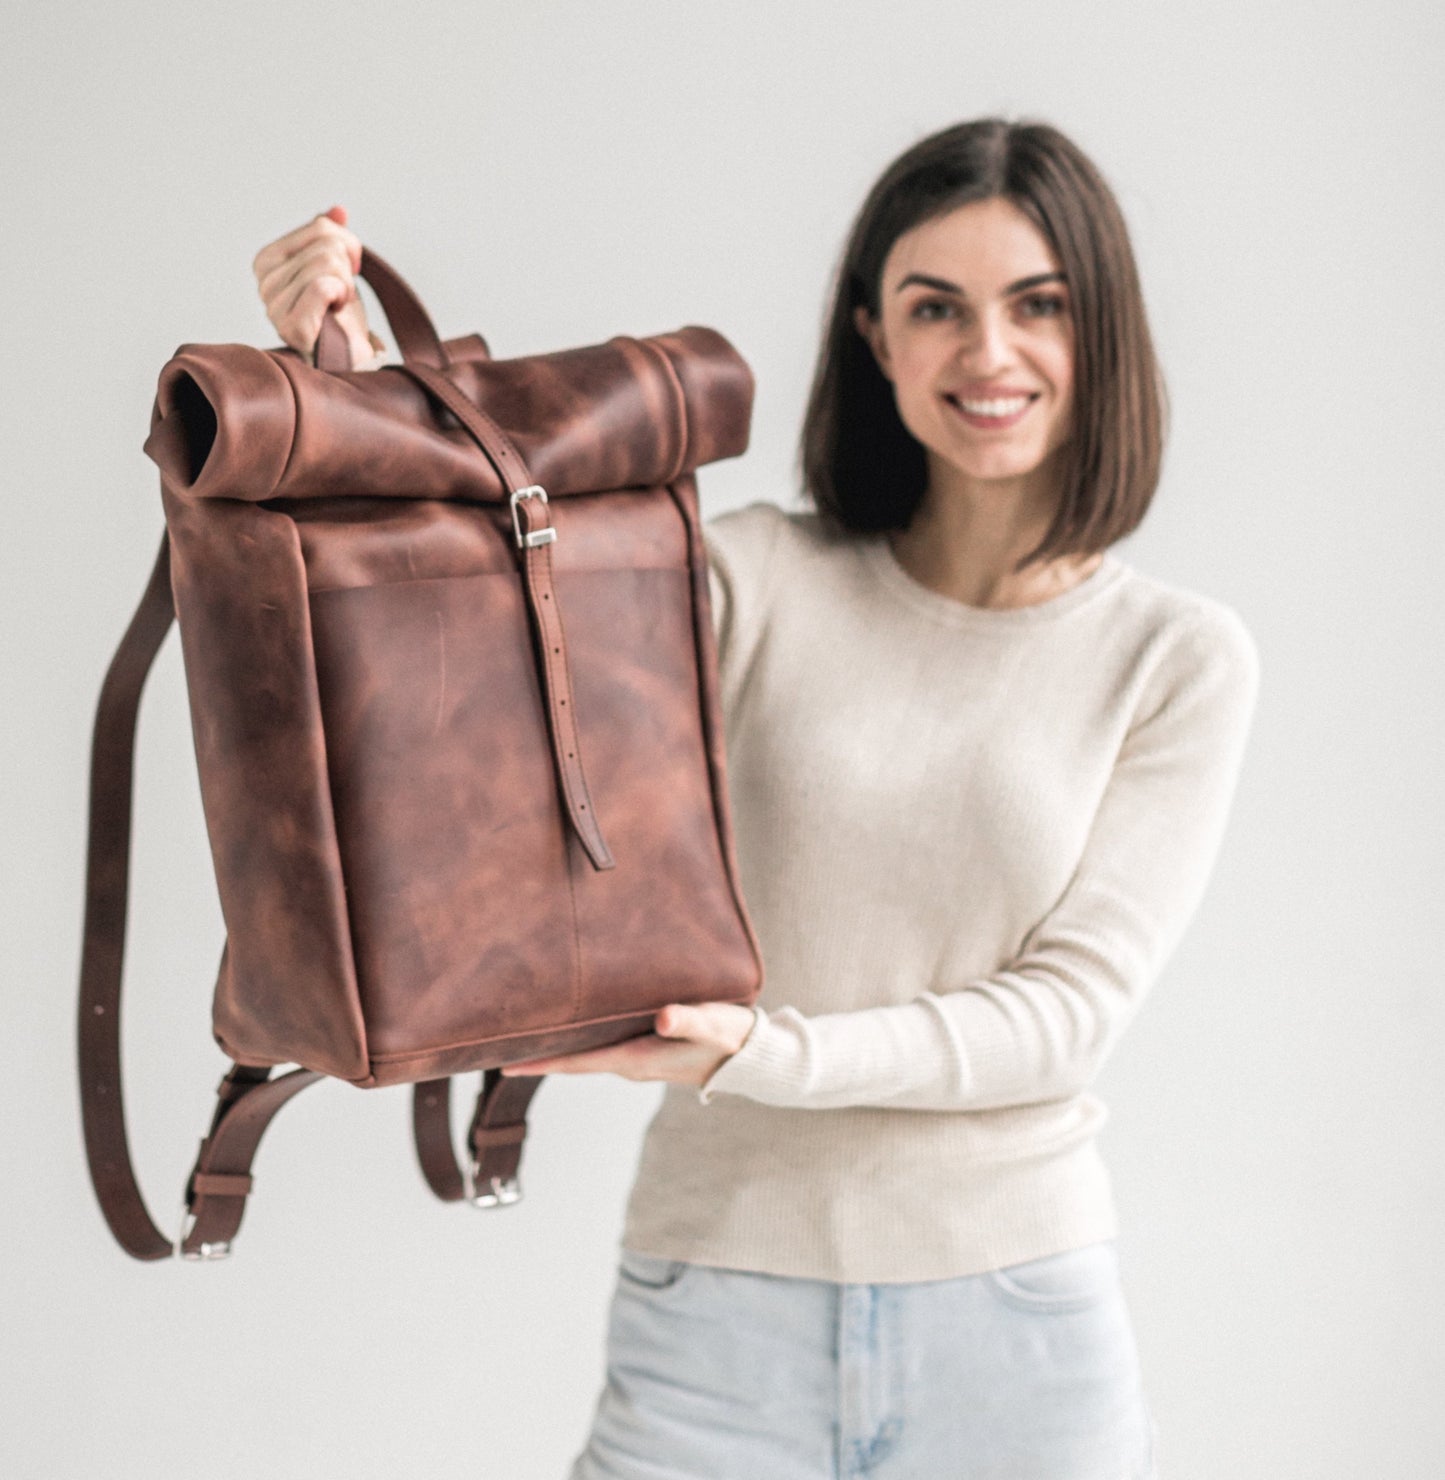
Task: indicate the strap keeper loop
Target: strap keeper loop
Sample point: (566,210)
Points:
(487,1136)
(221,1184)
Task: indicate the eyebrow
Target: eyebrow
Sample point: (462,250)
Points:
(944,286)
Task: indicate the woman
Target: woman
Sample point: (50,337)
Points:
(980,769)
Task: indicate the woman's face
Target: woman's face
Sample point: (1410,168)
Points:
(976,334)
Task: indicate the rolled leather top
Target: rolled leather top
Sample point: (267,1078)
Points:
(231,421)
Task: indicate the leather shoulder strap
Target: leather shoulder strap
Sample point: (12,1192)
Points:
(494,1140)
(216,1191)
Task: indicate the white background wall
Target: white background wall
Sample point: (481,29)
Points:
(554,173)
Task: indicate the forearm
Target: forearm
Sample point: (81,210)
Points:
(903,1056)
(1001,1042)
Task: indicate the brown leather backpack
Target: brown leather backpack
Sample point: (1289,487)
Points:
(450,663)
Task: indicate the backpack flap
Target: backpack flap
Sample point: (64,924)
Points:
(234,422)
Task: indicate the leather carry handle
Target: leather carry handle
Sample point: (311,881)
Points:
(416,335)
(248,1098)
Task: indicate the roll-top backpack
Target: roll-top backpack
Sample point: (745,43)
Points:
(450,663)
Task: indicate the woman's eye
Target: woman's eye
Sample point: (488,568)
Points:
(1045,305)
(925,309)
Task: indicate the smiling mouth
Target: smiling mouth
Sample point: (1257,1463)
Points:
(996,411)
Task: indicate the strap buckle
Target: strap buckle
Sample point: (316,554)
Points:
(501,1192)
(206,1252)
(537,536)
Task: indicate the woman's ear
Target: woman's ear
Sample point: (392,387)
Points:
(873,332)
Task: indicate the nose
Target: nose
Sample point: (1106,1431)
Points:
(987,346)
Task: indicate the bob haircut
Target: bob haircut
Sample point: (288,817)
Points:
(864,470)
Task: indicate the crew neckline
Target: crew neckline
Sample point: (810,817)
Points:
(878,555)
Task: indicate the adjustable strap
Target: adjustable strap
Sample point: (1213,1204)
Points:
(535,537)
(494,1139)
(557,678)
(216,1191)
(221,1181)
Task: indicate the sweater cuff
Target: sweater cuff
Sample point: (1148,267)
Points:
(770,1062)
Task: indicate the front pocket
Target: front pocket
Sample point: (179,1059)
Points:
(447,815)
(1072,1280)
(650,1271)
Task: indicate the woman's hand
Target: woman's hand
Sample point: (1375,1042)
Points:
(686,1046)
(308,271)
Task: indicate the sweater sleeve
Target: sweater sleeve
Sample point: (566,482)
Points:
(1041,1026)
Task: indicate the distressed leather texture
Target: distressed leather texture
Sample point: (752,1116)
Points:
(466,802)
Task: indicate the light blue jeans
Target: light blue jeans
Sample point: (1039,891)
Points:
(1025,1373)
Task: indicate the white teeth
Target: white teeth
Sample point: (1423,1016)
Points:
(995,408)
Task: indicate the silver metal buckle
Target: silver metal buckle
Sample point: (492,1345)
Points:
(206,1251)
(501,1192)
(537,536)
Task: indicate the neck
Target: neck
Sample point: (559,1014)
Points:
(968,534)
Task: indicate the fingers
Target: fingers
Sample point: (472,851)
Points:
(719,1024)
(680,1021)
(686,1046)
(303,302)
(322,228)
(307,272)
(282,286)
(624,1058)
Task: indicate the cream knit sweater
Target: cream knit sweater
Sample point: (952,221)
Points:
(969,840)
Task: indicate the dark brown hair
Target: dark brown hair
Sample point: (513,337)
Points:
(864,470)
